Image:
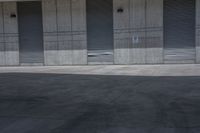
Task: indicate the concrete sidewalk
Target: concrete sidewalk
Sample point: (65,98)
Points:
(132,70)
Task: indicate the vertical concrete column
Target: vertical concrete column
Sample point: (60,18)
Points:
(198,31)
(50,29)
(138,31)
(79,35)
(64,21)
(2,44)
(11,36)
(121,25)
(137,28)
(154,31)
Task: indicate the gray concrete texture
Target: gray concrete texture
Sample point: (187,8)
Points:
(100,99)
(65,31)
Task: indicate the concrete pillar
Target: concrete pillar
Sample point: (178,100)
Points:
(50,30)
(137,28)
(65,40)
(121,31)
(79,32)
(64,22)
(154,31)
(11,37)
(138,31)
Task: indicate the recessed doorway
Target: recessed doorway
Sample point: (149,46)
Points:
(100,31)
(30,33)
(179,31)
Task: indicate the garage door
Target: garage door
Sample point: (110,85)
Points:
(30,32)
(100,31)
(179,31)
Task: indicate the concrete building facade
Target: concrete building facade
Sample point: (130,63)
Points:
(81,32)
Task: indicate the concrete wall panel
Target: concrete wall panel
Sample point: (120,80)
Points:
(79,36)
(137,14)
(64,15)
(50,49)
(121,27)
(49,16)
(65,32)
(79,49)
(64,22)
(137,27)
(144,23)
(50,32)
(121,19)
(138,47)
(65,48)
(122,44)
(11,34)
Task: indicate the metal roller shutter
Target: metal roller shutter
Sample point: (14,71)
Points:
(100,31)
(30,32)
(179,31)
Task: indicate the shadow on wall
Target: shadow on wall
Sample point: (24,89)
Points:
(61,103)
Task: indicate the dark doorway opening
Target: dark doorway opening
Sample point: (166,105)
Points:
(179,31)
(100,31)
(30,32)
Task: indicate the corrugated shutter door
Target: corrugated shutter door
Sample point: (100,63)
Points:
(100,31)
(30,30)
(179,31)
